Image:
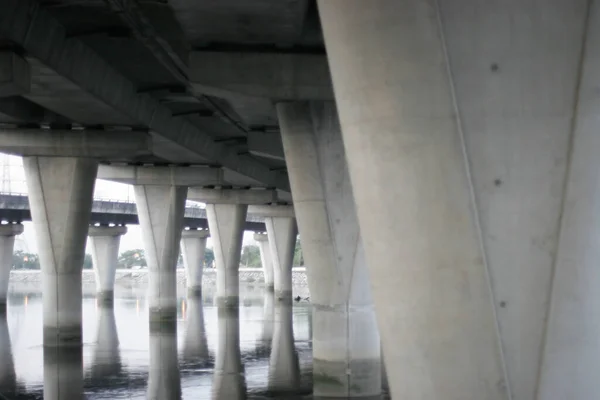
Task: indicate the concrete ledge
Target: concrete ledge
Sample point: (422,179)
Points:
(176,176)
(15,75)
(232,196)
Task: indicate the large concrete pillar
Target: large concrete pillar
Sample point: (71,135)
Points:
(107,357)
(8,377)
(195,345)
(265,260)
(473,165)
(60,197)
(282,231)
(229,382)
(7,243)
(193,244)
(164,381)
(104,241)
(160,211)
(226,223)
(63,372)
(284,368)
(346,347)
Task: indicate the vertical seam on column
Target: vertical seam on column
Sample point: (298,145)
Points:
(472,196)
(572,128)
(329,225)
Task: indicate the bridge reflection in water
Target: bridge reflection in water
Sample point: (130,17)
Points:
(260,350)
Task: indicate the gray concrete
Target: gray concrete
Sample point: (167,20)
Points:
(104,242)
(229,381)
(160,210)
(284,368)
(164,381)
(193,244)
(60,193)
(266,335)
(233,196)
(151,175)
(7,243)
(266,260)
(8,377)
(106,355)
(282,233)
(489,131)
(63,373)
(226,227)
(346,347)
(195,346)
(15,75)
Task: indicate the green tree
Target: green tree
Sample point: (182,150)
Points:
(87,262)
(209,257)
(298,258)
(250,257)
(22,260)
(131,258)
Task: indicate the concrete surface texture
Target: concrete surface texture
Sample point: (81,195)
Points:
(193,244)
(60,192)
(282,232)
(284,367)
(164,380)
(266,259)
(226,223)
(7,244)
(160,211)
(229,381)
(346,347)
(104,243)
(488,133)
(106,356)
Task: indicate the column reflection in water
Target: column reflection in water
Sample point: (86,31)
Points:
(195,347)
(229,382)
(8,378)
(284,368)
(164,381)
(63,372)
(107,359)
(266,337)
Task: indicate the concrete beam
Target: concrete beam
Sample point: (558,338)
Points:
(15,75)
(272,211)
(276,76)
(44,39)
(232,196)
(265,145)
(74,143)
(175,176)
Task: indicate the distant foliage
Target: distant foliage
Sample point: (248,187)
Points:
(250,257)
(22,260)
(132,258)
(298,258)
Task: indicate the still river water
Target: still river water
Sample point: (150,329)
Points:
(121,360)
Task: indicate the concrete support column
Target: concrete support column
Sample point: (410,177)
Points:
(193,244)
(104,241)
(195,345)
(160,211)
(226,223)
(7,244)
(265,260)
(282,233)
(473,163)
(229,381)
(63,372)
(164,381)
(8,377)
(284,368)
(107,357)
(60,197)
(346,347)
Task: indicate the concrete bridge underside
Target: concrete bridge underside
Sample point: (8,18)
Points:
(440,156)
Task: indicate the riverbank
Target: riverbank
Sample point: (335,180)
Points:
(128,277)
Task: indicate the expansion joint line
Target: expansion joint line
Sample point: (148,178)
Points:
(472,195)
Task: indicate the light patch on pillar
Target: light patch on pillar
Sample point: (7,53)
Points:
(60,196)
(161,213)
(226,223)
